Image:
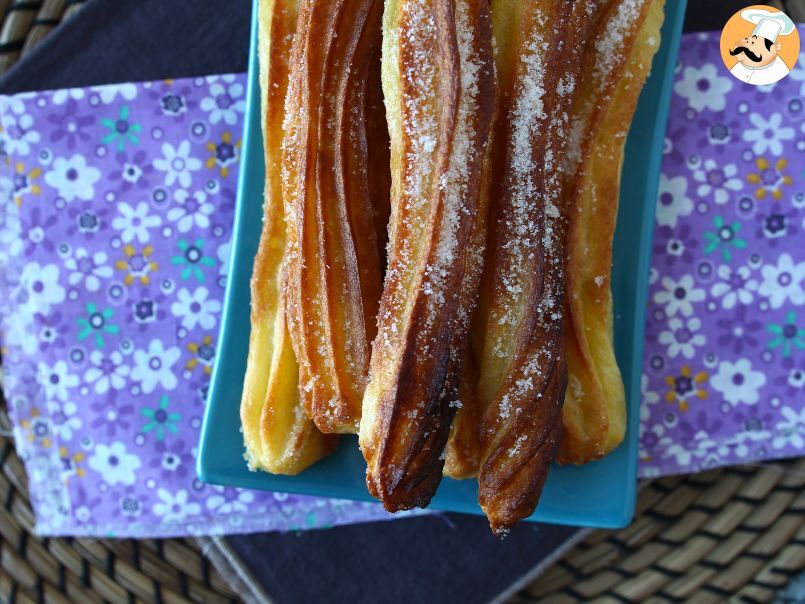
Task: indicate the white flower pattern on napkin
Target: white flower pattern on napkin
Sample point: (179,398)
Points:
(738,382)
(153,367)
(115,464)
(177,164)
(73,178)
(705,87)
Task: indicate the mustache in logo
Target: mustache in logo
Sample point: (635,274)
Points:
(752,56)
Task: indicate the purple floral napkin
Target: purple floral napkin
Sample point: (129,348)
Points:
(116,206)
(724,375)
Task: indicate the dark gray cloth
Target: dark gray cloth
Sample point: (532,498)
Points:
(451,558)
(711,15)
(110,41)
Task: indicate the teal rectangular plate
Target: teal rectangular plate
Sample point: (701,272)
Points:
(599,494)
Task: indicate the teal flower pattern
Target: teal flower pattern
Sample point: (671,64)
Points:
(121,130)
(160,419)
(724,237)
(192,258)
(96,324)
(787,336)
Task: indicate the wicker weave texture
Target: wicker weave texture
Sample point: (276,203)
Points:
(737,533)
(27,22)
(86,570)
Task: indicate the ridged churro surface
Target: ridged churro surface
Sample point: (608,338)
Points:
(438,80)
(335,186)
(616,65)
(278,436)
(523,370)
(462,455)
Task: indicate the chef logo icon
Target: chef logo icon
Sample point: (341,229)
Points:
(760,45)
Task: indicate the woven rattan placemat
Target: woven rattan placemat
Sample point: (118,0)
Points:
(733,533)
(26,23)
(91,570)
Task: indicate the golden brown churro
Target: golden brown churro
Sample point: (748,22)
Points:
(278,435)
(499,190)
(463,452)
(523,371)
(438,80)
(333,189)
(616,65)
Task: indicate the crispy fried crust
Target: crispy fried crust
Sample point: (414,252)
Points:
(331,185)
(277,434)
(438,79)
(594,415)
(523,370)
(463,452)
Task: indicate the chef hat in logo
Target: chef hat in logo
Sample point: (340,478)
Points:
(768,25)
